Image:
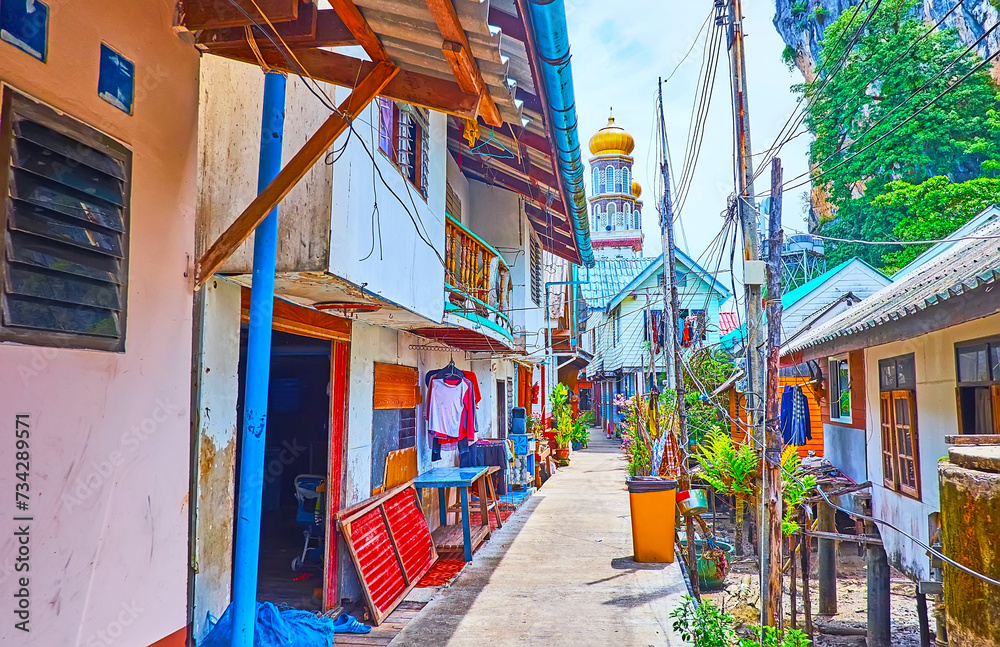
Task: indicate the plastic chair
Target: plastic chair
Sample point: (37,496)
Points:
(309,516)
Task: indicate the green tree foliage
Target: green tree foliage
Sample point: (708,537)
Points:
(931,210)
(957,137)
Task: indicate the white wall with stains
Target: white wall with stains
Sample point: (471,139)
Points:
(110,432)
(937,416)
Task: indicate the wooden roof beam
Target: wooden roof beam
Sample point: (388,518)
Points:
(458,53)
(296,168)
(217,14)
(356,23)
(313,28)
(508,181)
(431,92)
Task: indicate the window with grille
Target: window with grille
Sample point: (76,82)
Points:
(898,422)
(535,251)
(403,138)
(597,188)
(65,212)
(609,179)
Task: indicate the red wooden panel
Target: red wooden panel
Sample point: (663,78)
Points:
(413,537)
(339,362)
(376,560)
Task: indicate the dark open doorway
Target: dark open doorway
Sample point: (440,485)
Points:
(296,464)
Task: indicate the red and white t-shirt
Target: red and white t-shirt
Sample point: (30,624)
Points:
(446,407)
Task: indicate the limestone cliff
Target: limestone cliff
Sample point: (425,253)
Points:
(801,24)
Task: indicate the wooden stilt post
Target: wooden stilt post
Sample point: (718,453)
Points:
(806,547)
(827,562)
(922,619)
(879,613)
(793,582)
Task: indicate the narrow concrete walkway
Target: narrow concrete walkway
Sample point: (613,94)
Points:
(559,573)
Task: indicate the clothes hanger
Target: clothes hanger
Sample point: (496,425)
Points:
(480,148)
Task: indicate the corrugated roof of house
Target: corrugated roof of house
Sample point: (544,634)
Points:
(728,322)
(792,297)
(608,277)
(967,265)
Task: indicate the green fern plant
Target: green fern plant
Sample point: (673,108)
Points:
(732,468)
(796,485)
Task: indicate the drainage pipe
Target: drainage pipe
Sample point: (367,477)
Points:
(546,20)
(250,489)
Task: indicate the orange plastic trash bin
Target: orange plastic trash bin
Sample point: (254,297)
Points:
(651,501)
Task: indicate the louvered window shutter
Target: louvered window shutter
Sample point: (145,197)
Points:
(63,276)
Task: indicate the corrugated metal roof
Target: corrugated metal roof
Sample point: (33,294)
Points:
(412,39)
(728,322)
(608,277)
(966,266)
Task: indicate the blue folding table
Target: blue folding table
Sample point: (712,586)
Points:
(446,537)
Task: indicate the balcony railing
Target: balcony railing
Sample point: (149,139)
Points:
(477,280)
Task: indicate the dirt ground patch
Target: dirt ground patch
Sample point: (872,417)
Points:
(741,598)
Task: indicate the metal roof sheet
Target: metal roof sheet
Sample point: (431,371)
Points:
(609,276)
(965,266)
(411,37)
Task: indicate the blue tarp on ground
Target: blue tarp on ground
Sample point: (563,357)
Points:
(276,628)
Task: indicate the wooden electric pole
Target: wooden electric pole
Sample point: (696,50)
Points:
(746,211)
(772,437)
(672,307)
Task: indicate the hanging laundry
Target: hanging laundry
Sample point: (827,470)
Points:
(687,337)
(794,416)
(451,409)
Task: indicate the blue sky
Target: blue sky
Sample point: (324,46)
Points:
(619,49)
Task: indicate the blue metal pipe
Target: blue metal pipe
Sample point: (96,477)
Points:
(548,21)
(245,562)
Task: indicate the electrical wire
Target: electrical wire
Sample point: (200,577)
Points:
(927,105)
(775,147)
(920,89)
(328,104)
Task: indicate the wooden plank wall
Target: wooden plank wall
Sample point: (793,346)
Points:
(396,387)
(813,395)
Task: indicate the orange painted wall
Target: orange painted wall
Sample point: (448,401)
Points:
(110,464)
(813,395)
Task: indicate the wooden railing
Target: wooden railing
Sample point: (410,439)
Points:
(477,279)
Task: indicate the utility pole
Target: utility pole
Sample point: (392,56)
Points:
(672,307)
(773,441)
(752,265)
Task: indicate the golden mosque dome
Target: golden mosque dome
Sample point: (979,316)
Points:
(636,189)
(611,140)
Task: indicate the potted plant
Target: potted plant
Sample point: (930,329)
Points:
(581,429)
(564,436)
(562,416)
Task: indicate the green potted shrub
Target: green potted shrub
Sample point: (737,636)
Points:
(562,415)
(581,429)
